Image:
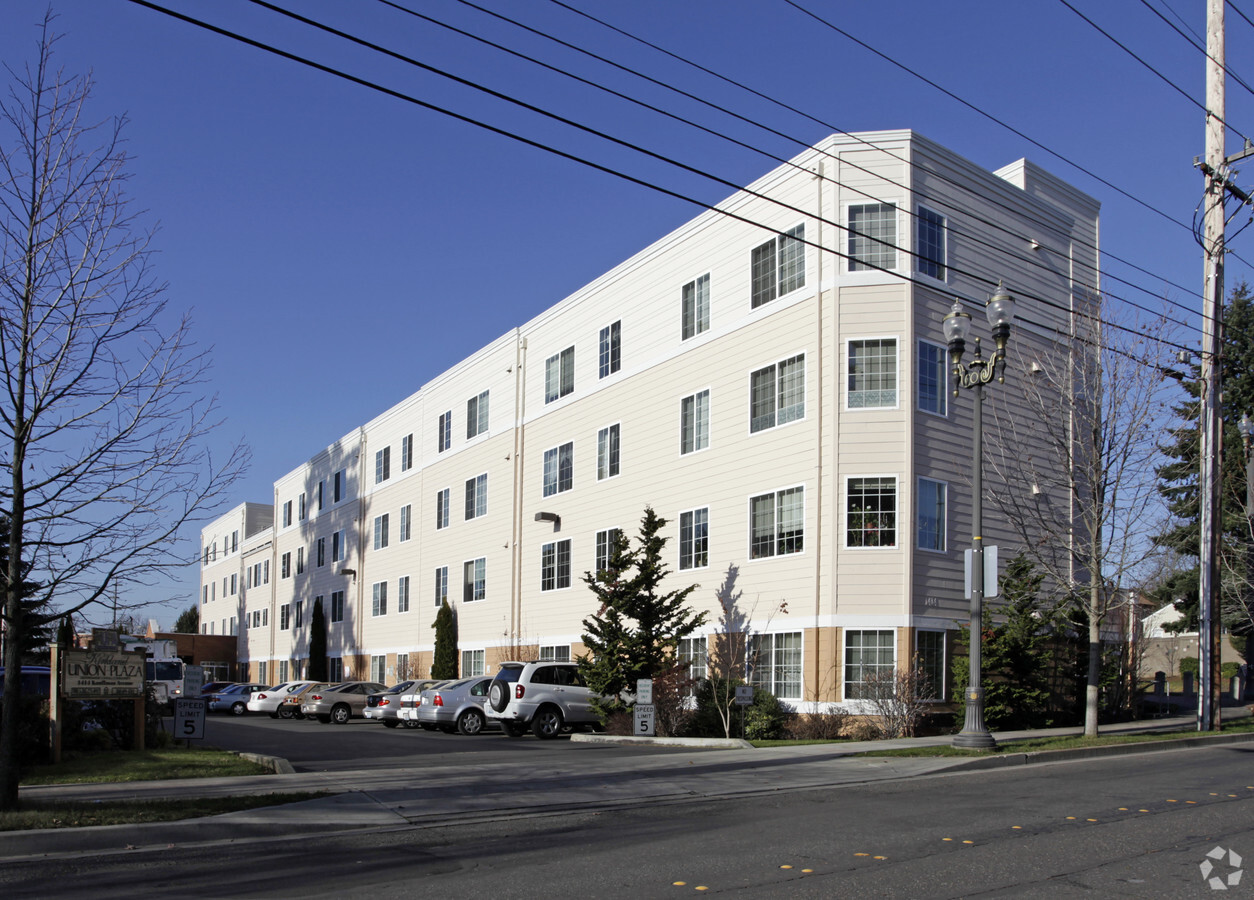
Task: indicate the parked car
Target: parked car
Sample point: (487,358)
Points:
(408,711)
(233,699)
(456,706)
(213,687)
(383,706)
(268,700)
(289,706)
(340,702)
(543,696)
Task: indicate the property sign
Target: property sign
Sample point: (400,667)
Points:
(744,695)
(644,720)
(101,675)
(644,691)
(193,680)
(189,718)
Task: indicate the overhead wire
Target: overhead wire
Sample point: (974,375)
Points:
(1236,9)
(461,117)
(1198,46)
(1029,260)
(870,144)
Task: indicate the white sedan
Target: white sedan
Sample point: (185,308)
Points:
(268,700)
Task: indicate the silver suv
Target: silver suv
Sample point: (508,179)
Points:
(543,696)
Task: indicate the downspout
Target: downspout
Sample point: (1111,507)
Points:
(818,498)
(520,406)
(360,567)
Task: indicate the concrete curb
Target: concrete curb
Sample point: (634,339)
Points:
(633,741)
(276,764)
(1003,760)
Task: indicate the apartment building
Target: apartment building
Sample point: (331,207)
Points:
(770,378)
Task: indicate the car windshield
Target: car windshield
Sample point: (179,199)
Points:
(509,673)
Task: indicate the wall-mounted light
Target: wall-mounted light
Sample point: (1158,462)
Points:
(550,517)
(351,572)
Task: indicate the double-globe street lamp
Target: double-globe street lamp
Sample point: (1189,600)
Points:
(974,375)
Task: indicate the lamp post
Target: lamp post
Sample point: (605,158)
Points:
(974,375)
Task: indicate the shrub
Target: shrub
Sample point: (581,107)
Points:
(1229,670)
(817,726)
(1189,666)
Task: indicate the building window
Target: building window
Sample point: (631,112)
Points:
(779,266)
(872,373)
(444,433)
(555,653)
(869,657)
(778,523)
(337,606)
(559,469)
(321,490)
(335,669)
(605,541)
(775,663)
(475,582)
(381,531)
(555,565)
(559,375)
(696,307)
(338,547)
(607,452)
(300,613)
(265,571)
(872,237)
(402,594)
(477,415)
(472,663)
(337,488)
(929,651)
(406,517)
(932,367)
(777,394)
(379,669)
(235,537)
(931,513)
(930,244)
(300,565)
(285,565)
(379,599)
(871,512)
(285,617)
(403,672)
(382,465)
(283,669)
(407,452)
(611,350)
(287,513)
(694,415)
(692,650)
(234,581)
(694,538)
(322,553)
(441,509)
(477,496)
(304,507)
(441,586)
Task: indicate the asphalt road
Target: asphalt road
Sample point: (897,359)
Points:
(1133,826)
(314,747)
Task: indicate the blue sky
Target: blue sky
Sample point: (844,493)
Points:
(338,247)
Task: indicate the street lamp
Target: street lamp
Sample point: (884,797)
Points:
(975,374)
(1246,427)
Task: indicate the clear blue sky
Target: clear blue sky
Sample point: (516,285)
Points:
(339,247)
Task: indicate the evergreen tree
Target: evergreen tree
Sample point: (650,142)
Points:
(318,643)
(188,621)
(1178,481)
(636,630)
(444,660)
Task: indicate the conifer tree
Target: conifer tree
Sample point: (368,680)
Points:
(318,643)
(636,629)
(444,660)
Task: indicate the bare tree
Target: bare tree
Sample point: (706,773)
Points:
(898,698)
(104,421)
(1077,458)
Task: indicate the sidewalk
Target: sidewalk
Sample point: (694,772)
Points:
(430,796)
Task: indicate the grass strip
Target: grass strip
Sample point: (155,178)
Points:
(37,814)
(142,765)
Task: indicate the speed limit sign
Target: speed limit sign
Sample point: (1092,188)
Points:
(644,720)
(189,718)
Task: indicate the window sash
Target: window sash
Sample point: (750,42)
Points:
(475,580)
(604,549)
(872,237)
(871,512)
(559,469)
(610,356)
(867,653)
(555,565)
(402,594)
(929,649)
(607,452)
(441,508)
(931,514)
(337,606)
(477,415)
(380,531)
(696,307)
(930,244)
(695,422)
(406,511)
(444,434)
(775,661)
(407,452)
(382,465)
(872,373)
(379,599)
(477,496)
(694,538)
(559,375)
(932,373)
(762,285)
(441,585)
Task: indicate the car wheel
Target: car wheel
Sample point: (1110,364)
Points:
(390,723)
(471,722)
(238,708)
(341,714)
(286,712)
(498,695)
(513,729)
(547,723)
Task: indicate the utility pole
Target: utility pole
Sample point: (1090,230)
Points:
(1212,342)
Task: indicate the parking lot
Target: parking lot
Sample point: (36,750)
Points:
(313,747)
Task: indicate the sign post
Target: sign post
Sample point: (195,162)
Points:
(644,711)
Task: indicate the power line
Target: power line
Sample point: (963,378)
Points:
(614,172)
(1232,6)
(1198,46)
